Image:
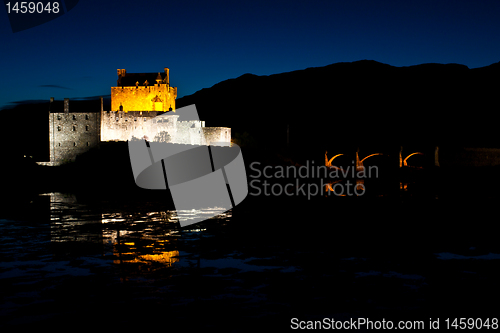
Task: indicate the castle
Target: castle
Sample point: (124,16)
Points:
(135,101)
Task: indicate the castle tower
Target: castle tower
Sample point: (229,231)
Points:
(136,92)
(71,132)
(167,78)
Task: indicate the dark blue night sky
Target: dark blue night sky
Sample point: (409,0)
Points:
(77,54)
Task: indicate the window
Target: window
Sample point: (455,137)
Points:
(59,117)
(74,117)
(86,117)
(74,144)
(87,127)
(88,144)
(74,128)
(59,128)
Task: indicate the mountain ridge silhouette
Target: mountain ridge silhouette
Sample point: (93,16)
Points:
(353,103)
(357,101)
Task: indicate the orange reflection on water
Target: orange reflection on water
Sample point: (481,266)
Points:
(360,187)
(130,252)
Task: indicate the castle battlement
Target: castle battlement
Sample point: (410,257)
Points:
(149,87)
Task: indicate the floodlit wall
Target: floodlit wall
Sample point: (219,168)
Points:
(71,134)
(157,97)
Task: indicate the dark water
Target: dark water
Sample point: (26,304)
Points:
(116,265)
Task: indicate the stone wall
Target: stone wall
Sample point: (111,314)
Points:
(121,126)
(190,132)
(71,134)
(217,134)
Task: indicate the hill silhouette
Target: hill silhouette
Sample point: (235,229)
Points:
(358,102)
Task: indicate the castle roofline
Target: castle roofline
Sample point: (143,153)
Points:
(130,79)
(76,106)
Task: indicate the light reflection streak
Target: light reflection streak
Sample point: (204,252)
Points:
(128,237)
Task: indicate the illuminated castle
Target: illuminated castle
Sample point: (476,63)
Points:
(135,101)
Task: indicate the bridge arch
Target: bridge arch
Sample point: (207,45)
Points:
(369,156)
(416,153)
(328,163)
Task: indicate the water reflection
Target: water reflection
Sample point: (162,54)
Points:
(403,186)
(68,219)
(129,236)
(344,188)
(131,257)
(144,252)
